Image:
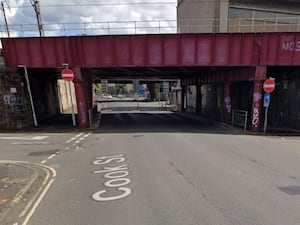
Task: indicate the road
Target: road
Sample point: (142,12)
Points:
(158,168)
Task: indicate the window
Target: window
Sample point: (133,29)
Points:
(265,16)
(235,13)
(287,18)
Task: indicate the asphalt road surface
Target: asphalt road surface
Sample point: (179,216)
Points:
(157,168)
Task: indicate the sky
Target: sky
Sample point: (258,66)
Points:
(81,17)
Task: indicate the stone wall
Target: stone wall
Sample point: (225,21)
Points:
(15,110)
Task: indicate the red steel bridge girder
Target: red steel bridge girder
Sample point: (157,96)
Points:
(155,50)
(234,75)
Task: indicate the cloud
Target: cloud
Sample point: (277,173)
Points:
(89,16)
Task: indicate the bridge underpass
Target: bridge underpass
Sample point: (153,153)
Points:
(218,72)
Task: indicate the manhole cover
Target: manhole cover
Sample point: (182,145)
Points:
(42,153)
(290,190)
(137,136)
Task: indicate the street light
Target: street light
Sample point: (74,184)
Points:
(30,95)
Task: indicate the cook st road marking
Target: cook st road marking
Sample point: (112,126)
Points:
(117,178)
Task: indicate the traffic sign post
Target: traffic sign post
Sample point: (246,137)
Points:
(269,87)
(267,98)
(68,75)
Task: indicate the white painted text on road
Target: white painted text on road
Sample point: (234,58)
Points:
(117,179)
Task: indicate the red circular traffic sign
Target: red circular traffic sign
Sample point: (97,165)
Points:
(67,74)
(269,86)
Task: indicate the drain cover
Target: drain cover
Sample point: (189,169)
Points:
(137,136)
(290,190)
(42,153)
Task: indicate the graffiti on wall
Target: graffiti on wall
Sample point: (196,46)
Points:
(15,103)
(255,118)
(227,101)
(256,112)
(291,46)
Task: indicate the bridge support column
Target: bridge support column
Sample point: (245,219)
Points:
(81,98)
(227,102)
(256,115)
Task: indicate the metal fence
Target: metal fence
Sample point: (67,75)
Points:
(239,118)
(153,27)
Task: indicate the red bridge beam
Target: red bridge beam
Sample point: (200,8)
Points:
(134,50)
(155,50)
(280,49)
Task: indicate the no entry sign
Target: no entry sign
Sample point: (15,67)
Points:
(67,74)
(269,86)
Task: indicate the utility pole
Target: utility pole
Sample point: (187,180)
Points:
(36,6)
(5,20)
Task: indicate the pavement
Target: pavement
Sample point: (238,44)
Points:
(21,186)
(271,131)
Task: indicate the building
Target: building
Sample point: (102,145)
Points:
(196,16)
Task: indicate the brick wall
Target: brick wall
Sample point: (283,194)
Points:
(15,110)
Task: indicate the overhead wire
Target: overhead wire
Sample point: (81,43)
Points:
(96,4)
(123,3)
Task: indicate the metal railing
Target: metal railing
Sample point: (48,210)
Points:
(239,118)
(154,27)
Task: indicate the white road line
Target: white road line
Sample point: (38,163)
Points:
(39,137)
(26,208)
(51,156)
(68,141)
(24,138)
(81,138)
(38,202)
(44,161)
(78,135)
(85,136)
(29,143)
(77,142)
(53,171)
(15,138)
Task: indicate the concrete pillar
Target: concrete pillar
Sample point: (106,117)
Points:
(151,88)
(88,85)
(227,102)
(224,14)
(256,115)
(81,98)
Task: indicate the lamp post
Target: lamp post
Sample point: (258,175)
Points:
(30,94)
